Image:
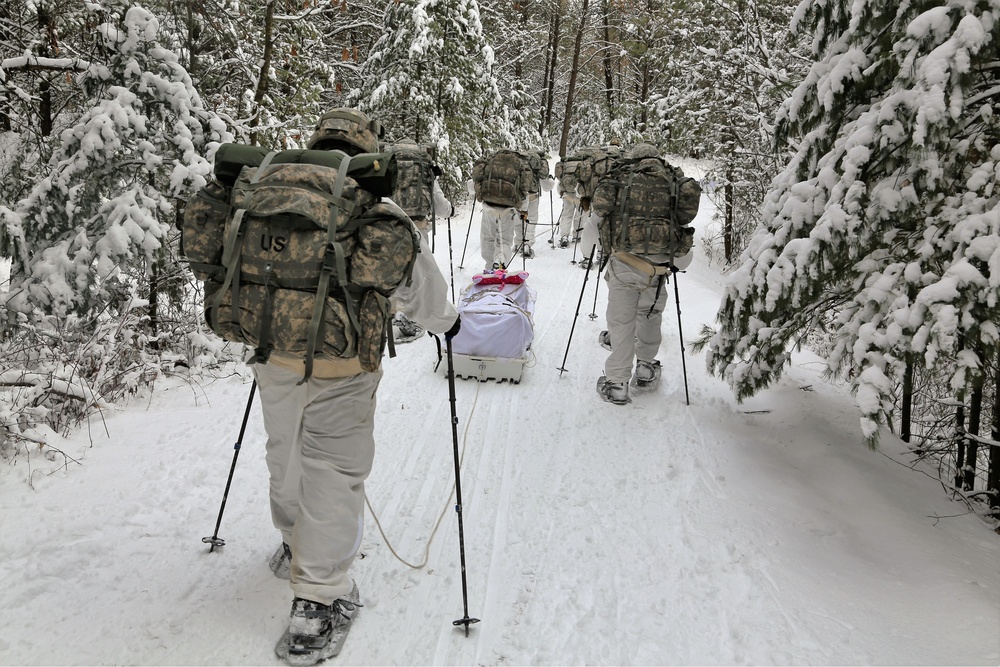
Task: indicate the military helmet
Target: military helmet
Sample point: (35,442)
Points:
(348,126)
(643,150)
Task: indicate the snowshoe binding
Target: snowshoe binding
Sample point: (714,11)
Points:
(604,339)
(647,375)
(281,562)
(613,392)
(405,330)
(317,631)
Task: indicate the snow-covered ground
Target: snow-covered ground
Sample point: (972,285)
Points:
(653,533)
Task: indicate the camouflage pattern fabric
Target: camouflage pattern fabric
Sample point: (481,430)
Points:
(566,173)
(202,231)
(347,125)
(502,179)
(597,164)
(305,255)
(645,207)
(415,180)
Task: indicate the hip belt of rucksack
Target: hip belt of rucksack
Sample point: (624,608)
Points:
(641,264)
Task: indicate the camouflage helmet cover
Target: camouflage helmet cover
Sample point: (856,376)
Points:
(349,126)
(644,150)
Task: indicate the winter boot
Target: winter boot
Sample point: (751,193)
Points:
(564,242)
(281,562)
(647,374)
(405,329)
(612,392)
(604,338)
(317,631)
(527,252)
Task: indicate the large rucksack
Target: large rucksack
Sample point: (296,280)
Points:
(415,180)
(539,170)
(502,179)
(646,206)
(597,163)
(565,172)
(298,254)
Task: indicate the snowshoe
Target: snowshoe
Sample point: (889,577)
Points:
(527,252)
(281,562)
(612,392)
(564,242)
(647,375)
(317,631)
(604,339)
(404,330)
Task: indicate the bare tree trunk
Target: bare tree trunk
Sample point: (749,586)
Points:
(730,229)
(972,446)
(993,474)
(265,67)
(45,120)
(550,70)
(191,29)
(573,74)
(607,61)
(906,416)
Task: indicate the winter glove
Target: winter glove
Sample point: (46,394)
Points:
(453,331)
(585,204)
(437,171)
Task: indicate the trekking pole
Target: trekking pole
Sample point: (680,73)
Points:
(680,333)
(585,276)
(577,234)
(451,264)
(467,234)
(552,222)
(524,241)
(214,539)
(597,286)
(465,620)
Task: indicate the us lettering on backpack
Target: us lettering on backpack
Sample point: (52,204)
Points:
(297,253)
(646,207)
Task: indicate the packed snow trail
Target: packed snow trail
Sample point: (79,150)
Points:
(651,533)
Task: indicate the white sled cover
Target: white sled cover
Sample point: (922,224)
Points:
(497,320)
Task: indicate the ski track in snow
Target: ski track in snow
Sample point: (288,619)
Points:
(652,533)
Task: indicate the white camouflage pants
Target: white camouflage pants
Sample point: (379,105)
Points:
(496,233)
(590,237)
(569,217)
(320,447)
(633,327)
(526,232)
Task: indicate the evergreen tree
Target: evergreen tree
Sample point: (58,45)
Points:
(101,216)
(887,215)
(431,78)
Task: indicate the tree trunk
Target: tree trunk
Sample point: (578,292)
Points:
(191,29)
(907,401)
(730,226)
(606,60)
(265,68)
(972,446)
(573,74)
(959,443)
(45,120)
(550,94)
(993,473)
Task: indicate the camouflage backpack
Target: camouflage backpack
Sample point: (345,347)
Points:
(596,165)
(566,172)
(297,253)
(502,179)
(414,180)
(539,170)
(645,206)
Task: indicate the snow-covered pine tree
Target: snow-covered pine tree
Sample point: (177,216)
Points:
(430,78)
(106,208)
(888,213)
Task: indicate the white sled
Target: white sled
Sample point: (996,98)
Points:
(497,328)
(484,369)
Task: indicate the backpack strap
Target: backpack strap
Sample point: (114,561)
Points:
(333,259)
(231,251)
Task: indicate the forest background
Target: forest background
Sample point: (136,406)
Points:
(854,151)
